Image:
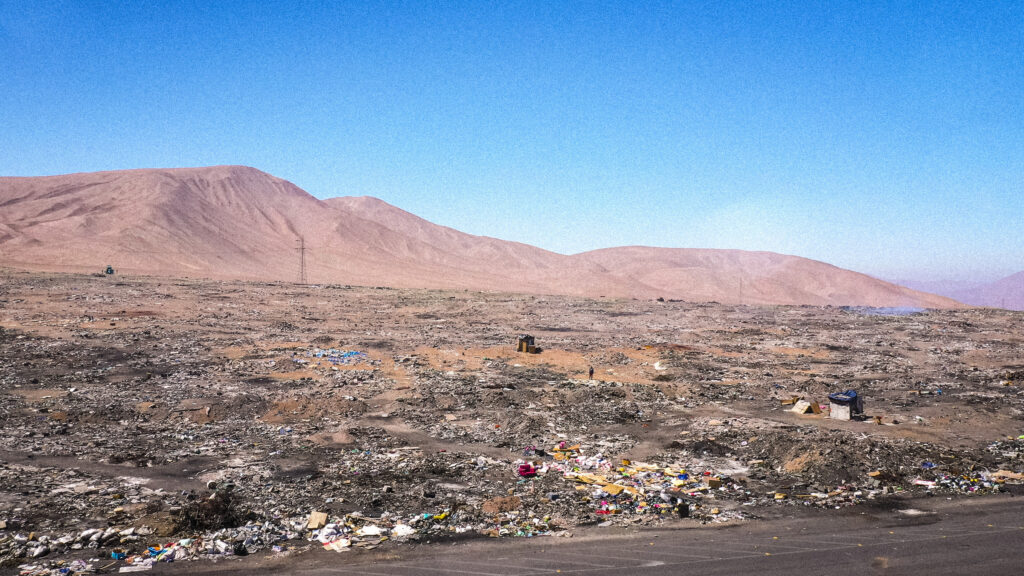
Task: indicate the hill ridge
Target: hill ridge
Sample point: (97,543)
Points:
(236,221)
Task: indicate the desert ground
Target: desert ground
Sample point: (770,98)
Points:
(151,419)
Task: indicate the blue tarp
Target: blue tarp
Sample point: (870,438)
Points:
(848,397)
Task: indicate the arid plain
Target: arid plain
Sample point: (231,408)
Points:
(223,416)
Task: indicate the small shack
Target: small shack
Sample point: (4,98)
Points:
(527,345)
(845,405)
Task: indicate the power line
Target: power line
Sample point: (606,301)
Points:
(302,260)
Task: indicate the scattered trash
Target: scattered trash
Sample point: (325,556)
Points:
(412,420)
(339,356)
(805,407)
(527,470)
(317,520)
(403,530)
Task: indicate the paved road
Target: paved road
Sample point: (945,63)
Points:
(983,536)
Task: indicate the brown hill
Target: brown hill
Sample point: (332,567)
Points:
(1003,293)
(238,222)
(755,278)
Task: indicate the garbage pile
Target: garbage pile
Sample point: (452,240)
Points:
(130,550)
(954,479)
(631,488)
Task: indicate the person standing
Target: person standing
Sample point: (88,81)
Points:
(591,372)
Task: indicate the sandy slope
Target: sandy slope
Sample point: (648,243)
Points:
(754,277)
(238,222)
(1003,293)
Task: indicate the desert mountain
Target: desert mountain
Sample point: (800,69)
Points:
(1006,292)
(239,222)
(1003,293)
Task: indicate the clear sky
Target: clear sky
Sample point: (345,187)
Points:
(883,137)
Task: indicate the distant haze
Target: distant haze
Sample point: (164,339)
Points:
(1005,292)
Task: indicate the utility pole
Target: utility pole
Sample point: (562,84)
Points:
(302,260)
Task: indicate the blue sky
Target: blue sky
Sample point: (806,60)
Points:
(882,137)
